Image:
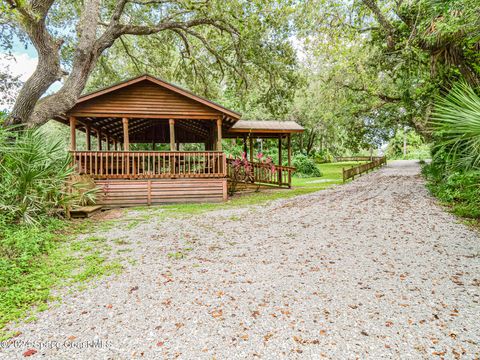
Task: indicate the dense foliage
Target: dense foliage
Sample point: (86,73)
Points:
(35,177)
(454,174)
(408,144)
(306,166)
(456,123)
(373,67)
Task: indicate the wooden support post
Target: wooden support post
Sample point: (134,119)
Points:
(280,181)
(171,122)
(99,138)
(245,145)
(289,159)
(211,138)
(73,133)
(289,145)
(115,144)
(219,134)
(108,142)
(251,148)
(88,138)
(126,139)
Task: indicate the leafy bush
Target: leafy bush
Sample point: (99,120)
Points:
(34,170)
(306,167)
(456,124)
(454,174)
(460,189)
(324,156)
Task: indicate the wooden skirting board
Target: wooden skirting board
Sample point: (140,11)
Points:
(124,193)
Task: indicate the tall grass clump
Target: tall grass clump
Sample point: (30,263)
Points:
(454,174)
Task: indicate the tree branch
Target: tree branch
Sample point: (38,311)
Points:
(382,20)
(385,98)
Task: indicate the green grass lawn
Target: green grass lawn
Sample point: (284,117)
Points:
(331,175)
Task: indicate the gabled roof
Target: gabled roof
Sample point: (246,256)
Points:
(234,115)
(268,126)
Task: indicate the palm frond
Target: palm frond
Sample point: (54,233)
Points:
(456,123)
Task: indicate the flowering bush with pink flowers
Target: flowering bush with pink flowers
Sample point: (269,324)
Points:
(243,170)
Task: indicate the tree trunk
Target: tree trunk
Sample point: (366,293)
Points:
(311,141)
(84,60)
(91,41)
(48,69)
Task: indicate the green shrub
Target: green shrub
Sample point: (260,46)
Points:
(454,174)
(306,167)
(459,189)
(324,156)
(456,125)
(34,169)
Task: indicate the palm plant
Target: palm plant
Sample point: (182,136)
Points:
(34,170)
(456,124)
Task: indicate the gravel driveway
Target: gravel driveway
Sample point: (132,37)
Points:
(372,269)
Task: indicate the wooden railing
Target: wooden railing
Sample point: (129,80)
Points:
(355,158)
(263,174)
(360,169)
(150,164)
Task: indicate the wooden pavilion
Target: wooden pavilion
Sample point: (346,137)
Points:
(150,111)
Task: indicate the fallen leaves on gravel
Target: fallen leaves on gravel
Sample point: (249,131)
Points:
(217,313)
(299,340)
(30,352)
(255,314)
(267,337)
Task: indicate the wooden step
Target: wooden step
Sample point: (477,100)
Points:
(84,211)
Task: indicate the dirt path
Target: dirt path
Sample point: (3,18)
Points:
(373,269)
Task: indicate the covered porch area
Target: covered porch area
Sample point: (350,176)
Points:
(145,141)
(129,139)
(252,131)
(115,159)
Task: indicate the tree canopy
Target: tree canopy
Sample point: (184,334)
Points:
(200,42)
(352,72)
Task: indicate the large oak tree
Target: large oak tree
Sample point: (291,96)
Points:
(71,36)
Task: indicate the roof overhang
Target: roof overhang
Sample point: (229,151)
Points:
(266,128)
